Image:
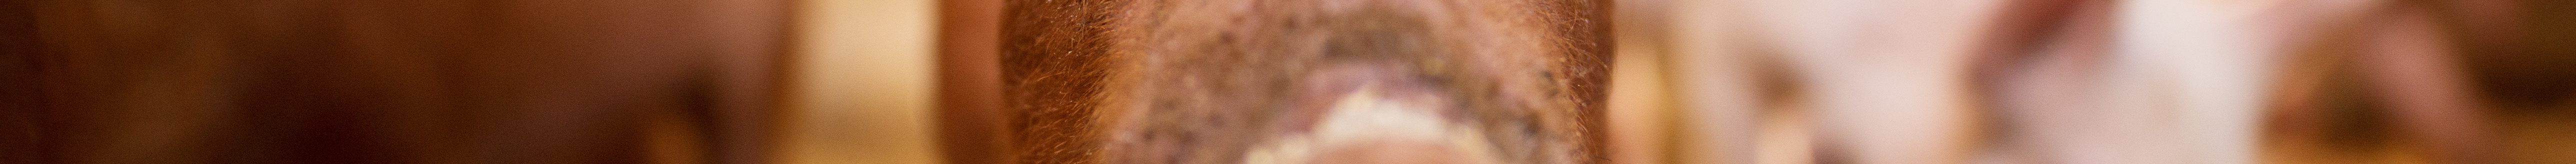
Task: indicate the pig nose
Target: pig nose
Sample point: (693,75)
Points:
(1371,125)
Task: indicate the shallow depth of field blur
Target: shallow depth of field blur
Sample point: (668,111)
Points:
(915,81)
(2095,81)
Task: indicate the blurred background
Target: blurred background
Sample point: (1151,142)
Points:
(916,81)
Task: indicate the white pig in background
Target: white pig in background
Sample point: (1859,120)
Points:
(2024,81)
